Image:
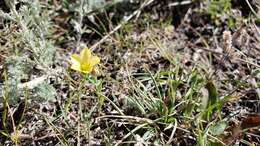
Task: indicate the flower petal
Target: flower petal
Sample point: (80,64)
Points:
(85,55)
(75,59)
(76,67)
(94,60)
(75,62)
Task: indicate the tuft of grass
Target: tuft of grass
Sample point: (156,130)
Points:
(167,97)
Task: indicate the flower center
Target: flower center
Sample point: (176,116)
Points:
(85,66)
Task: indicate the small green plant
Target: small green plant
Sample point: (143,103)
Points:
(220,8)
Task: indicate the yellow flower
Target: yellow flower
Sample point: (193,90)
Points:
(85,62)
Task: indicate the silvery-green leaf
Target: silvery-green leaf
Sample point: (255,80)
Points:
(218,128)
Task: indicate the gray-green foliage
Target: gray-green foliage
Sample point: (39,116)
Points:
(30,42)
(34,28)
(45,92)
(17,69)
(88,6)
(218,128)
(85,8)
